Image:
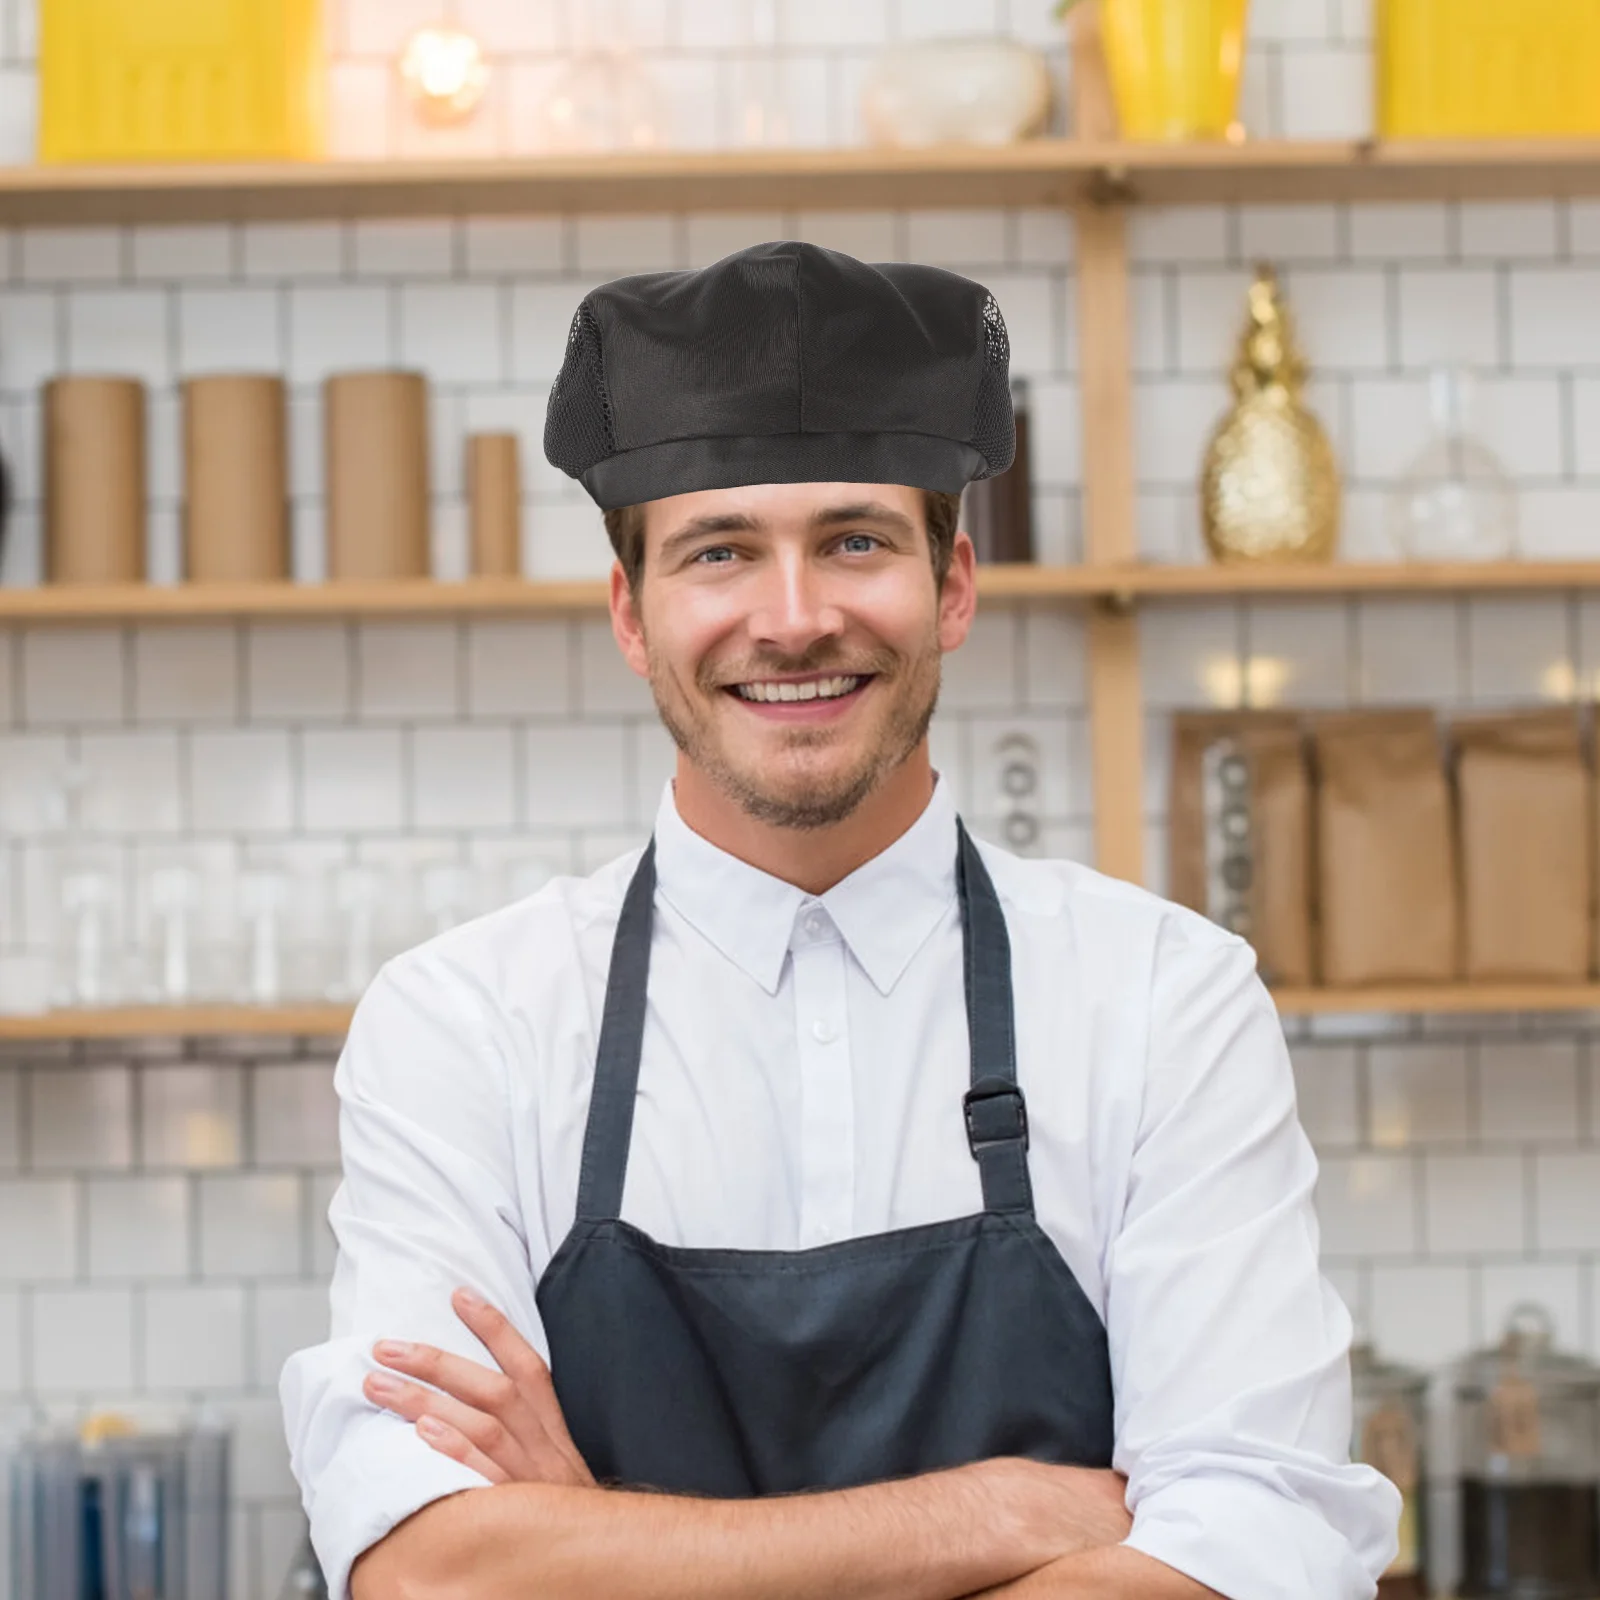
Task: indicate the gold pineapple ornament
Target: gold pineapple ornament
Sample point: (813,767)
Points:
(1270,489)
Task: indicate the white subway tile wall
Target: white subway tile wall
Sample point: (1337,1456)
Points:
(161,1208)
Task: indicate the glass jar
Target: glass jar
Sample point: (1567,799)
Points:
(1390,1426)
(1528,1428)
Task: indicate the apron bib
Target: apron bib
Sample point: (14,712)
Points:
(739,1373)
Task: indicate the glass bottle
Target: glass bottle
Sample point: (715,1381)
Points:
(606,99)
(759,93)
(1528,1421)
(1457,502)
(1390,1427)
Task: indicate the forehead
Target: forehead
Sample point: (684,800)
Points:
(778,506)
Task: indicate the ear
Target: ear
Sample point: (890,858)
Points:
(626,627)
(958,599)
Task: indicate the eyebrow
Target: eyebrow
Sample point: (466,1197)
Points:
(741,522)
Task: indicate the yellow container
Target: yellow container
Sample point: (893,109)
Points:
(1175,65)
(180,80)
(1488,68)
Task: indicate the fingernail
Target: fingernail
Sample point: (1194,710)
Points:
(432,1428)
(391,1350)
(469,1300)
(385,1388)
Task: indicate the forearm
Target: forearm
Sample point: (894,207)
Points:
(938,1537)
(1114,1574)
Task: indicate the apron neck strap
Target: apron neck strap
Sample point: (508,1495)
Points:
(996,1115)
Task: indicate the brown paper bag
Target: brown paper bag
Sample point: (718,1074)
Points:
(1527,847)
(1386,879)
(236,479)
(94,480)
(376,425)
(1279,893)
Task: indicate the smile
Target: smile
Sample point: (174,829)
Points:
(771,693)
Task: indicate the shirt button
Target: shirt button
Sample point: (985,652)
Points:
(815,924)
(823,1032)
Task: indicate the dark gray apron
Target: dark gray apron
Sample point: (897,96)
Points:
(754,1372)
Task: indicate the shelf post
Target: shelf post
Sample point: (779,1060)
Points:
(1105,363)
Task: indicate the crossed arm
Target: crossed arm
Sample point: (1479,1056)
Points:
(1010,1528)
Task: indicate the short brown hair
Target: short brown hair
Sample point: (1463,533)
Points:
(625,529)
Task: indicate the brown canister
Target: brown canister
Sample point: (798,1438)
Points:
(94,480)
(494,500)
(236,479)
(377,465)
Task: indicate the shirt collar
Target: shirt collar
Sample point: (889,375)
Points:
(885,910)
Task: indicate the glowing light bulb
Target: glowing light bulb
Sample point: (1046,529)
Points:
(444,69)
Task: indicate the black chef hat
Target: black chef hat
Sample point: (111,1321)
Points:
(785,363)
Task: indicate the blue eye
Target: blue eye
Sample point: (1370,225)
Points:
(717,555)
(859,544)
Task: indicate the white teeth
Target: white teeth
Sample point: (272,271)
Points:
(816,689)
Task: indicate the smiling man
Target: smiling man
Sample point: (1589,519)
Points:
(817,1203)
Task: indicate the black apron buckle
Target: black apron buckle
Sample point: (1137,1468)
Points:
(996,1114)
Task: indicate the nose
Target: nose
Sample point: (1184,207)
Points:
(793,612)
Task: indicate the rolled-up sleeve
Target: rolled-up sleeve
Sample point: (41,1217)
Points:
(427,1205)
(1230,1352)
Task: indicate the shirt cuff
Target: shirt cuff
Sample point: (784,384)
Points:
(382,1474)
(1248,1542)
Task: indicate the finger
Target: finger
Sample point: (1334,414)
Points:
(447,1441)
(473,1384)
(484,1432)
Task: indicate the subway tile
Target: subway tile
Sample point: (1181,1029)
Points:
(1583,227)
(983,673)
(361,97)
(517,667)
(241,780)
(1567,1199)
(80,1118)
(1284,21)
(1558,524)
(296,1115)
(1367,1206)
(514,245)
(1298,655)
(866,235)
(1552,316)
(185,674)
(191,1115)
(1408,652)
(1520,420)
(293,250)
(712,235)
(288,1317)
(337,328)
(297,671)
(352,779)
(1288,233)
(230,330)
(1174,420)
(1031,303)
(606,684)
(1473,1204)
(566,541)
(624,244)
(1418,1095)
(1178,235)
(1518,651)
(250,1225)
(972,240)
(10,1118)
(1328,1087)
(688,90)
(1529,1089)
(1046,238)
(121,331)
(1053,658)
(407,669)
(11,1304)
(943,19)
(182,253)
(30,342)
(38,1230)
(1193,658)
(1060,756)
(1055,409)
(83,1340)
(513,27)
(541,320)
(463,777)
(260,1456)
(403,247)
(832,24)
(1409,232)
(1342,318)
(138,1227)
(72,675)
(1327,92)
(1420,1313)
(1391,426)
(1510,230)
(194,1336)
(574,775)
(72,255)
(134,785)
(452,331)
(1449,316)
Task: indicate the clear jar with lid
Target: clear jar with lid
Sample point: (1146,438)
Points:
(1390,1426)
(1528,1431)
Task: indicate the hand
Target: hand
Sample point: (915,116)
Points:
(506,1425)
(1061,1511)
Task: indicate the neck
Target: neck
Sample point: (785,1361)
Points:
(812,859)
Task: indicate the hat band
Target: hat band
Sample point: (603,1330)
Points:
(687,466)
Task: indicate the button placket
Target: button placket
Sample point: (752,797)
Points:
(827,1095)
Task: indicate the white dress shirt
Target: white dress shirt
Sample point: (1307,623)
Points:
(802,1078)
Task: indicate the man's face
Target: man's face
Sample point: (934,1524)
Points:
(792,636)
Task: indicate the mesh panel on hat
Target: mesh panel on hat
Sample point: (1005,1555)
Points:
(579,429)
(993,423)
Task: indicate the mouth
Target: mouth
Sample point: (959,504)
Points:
(809,699)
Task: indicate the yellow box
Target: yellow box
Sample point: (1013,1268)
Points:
(180,80)
(1488,68)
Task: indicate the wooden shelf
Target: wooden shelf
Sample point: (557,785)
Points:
(1115,584)
(1044,172)
(1437,1000)
(332,1021)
